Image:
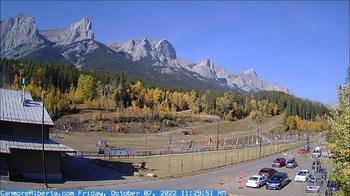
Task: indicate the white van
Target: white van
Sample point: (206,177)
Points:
(317,152)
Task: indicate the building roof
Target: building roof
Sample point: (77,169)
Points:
(12,108)
(8,142)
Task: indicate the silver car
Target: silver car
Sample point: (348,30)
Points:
(292,163)
(312,186)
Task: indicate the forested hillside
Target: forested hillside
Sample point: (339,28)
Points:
(67,89)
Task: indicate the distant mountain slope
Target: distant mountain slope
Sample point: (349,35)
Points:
(162,53)
(47,55)
(152,60)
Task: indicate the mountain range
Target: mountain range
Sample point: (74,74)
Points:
(152,60)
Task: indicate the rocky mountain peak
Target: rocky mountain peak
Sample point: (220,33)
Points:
(79,31)
(207,63)
(145,48)
(205,68)
(250,72)
(20,26)
(165,49)
(18,36)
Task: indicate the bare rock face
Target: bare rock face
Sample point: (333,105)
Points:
(206,68)
(79,31)
(19,36)
(74,43)
(162,53)
(52,35)
(146,49)
(250,81)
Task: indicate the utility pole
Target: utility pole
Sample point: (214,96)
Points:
(259,137)
(169,155)
(192,147)
(217,136)
(146,140)
(43,141)
(217,142)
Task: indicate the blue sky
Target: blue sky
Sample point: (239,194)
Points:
(303,45)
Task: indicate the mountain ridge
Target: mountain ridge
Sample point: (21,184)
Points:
(75,46)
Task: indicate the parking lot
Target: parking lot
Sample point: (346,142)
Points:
(227,179)
(293,188)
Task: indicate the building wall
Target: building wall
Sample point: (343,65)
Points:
(22,129)
(28,164)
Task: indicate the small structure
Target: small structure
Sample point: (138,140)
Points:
(104,148)
(139,166)
(21,139)
(101,146)
(114,151)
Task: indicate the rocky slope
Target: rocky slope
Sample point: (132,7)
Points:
(19,36)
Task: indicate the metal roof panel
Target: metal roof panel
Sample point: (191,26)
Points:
(13,110)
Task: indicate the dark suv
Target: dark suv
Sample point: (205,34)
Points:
(321,173)
(267,172)
(316,164)
(277,181)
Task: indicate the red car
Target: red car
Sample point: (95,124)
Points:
(302,151)
(279,162)
(267,172)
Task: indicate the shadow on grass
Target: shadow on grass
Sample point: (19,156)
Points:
(84,169)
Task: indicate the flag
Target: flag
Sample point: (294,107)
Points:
(237,142)
(224,143)
(181,148)
(203,141)
(170,145)
(210,142)
(191,145)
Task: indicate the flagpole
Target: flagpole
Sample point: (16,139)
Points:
(260,138)
(217,137)
(192,145)
(183,154)
(169,156)
(43,141)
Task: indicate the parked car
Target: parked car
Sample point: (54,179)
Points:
(302,175)
(256,181)
(277,181)
(279,162)
(321,173)
(267,172)
(292,163)
(317,152)
(307,147)
(302,151)
(316,164)
(328,154)
(332,187)
(312,186)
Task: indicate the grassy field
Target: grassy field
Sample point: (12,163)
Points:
(87,140)
(191,163)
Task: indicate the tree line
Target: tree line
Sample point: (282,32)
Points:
(66,87)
